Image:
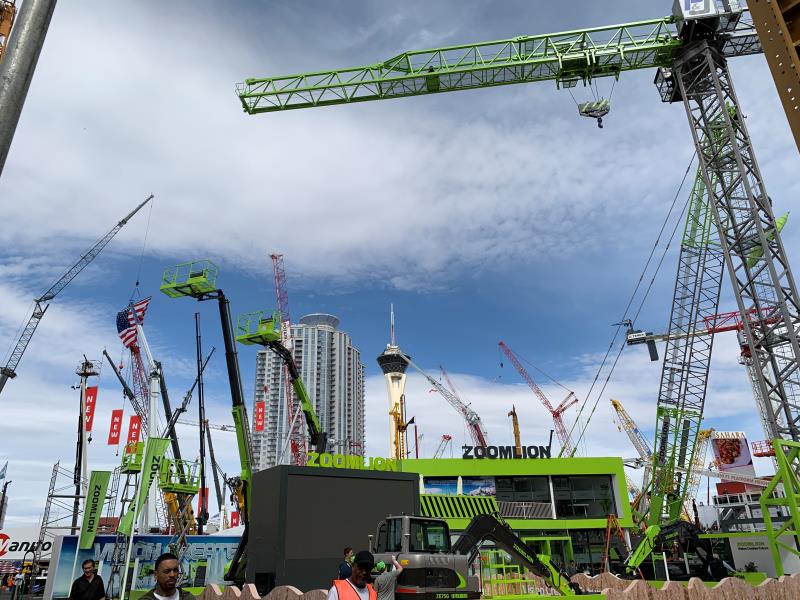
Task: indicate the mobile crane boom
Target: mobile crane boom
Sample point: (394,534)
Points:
(474,424)
(42,303)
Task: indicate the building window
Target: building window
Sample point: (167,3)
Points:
(523,489)
(583,496)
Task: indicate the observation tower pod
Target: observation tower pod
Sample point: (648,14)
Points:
(194,278)
(259,327)
(179,477)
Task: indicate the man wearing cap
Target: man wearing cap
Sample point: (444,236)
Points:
(356,587)
(386,581)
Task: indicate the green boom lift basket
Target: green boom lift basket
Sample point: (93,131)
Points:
(132,458)
(260,327)
(193,278)
(179,476)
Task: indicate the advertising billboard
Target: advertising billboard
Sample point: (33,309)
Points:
(203,562)
(441,485)
(478,486)
(732,452)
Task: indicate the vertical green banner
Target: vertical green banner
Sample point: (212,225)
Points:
(151,465)
(93,507)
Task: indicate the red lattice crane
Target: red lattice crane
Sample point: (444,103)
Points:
(558,421)
(294,425)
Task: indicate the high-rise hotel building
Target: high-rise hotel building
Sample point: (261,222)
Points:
(333,374)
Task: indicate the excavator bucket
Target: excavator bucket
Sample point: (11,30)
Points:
(190,279)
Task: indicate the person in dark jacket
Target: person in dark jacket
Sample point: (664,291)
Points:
(346,566)
(167,570)
(88,586)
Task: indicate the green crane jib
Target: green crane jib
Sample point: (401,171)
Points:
(264,328)
(566,58)
(42,303)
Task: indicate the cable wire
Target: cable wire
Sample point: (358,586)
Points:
(630,303)
(141,255)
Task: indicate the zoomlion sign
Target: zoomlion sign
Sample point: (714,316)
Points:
(349,461)
(492,452)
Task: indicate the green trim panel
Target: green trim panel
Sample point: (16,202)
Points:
(456,507)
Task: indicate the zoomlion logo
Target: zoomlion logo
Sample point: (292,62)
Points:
(5,541)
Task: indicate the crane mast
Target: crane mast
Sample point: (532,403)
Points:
(42,303)
(297,440)
(474,424)
(567,449)
(515,425)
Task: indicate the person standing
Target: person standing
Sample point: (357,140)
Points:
(386,581)
(88,586)
(167,570)
(356,587)
(346,566)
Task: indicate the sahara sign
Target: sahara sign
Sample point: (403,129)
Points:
(349,461)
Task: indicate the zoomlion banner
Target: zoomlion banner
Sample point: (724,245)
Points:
(151,466)
(93,509)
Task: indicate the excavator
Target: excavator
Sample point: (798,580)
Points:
(433,569)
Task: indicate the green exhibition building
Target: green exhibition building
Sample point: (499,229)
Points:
(559,506)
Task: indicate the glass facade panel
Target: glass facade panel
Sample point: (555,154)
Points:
(583,496)
(522,489)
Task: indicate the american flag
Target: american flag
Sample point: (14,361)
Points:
(126,323)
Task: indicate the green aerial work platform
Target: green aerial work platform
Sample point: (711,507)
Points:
(193,278)
(132,458)
(179,476)
(257,328)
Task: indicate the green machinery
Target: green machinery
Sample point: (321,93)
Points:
(264,329)
(198,279)
(690,50)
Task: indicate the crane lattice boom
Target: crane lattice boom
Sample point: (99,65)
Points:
(443,444)
(9,371)
(566,58)
(561,431)
(474,424)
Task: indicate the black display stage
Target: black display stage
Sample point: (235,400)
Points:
(303,517)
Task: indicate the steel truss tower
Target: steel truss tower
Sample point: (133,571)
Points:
(687,359)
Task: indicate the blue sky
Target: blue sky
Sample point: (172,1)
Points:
(485,215)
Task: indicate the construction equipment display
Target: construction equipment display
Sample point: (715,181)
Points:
(264,329)
(474,424)
(433,569)
(41,304)
(690,50)
(198,279)
(567,448)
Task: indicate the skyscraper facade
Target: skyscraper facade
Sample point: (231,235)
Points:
(333,374)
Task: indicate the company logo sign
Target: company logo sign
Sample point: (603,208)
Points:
(349,461)
(15,545)
(493,452)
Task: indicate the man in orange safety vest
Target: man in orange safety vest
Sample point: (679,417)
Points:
(356,587)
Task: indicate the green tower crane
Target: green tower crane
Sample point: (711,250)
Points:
(690,50)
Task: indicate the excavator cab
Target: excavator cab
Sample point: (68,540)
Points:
(422,546)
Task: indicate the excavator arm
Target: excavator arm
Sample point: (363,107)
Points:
(492,527)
